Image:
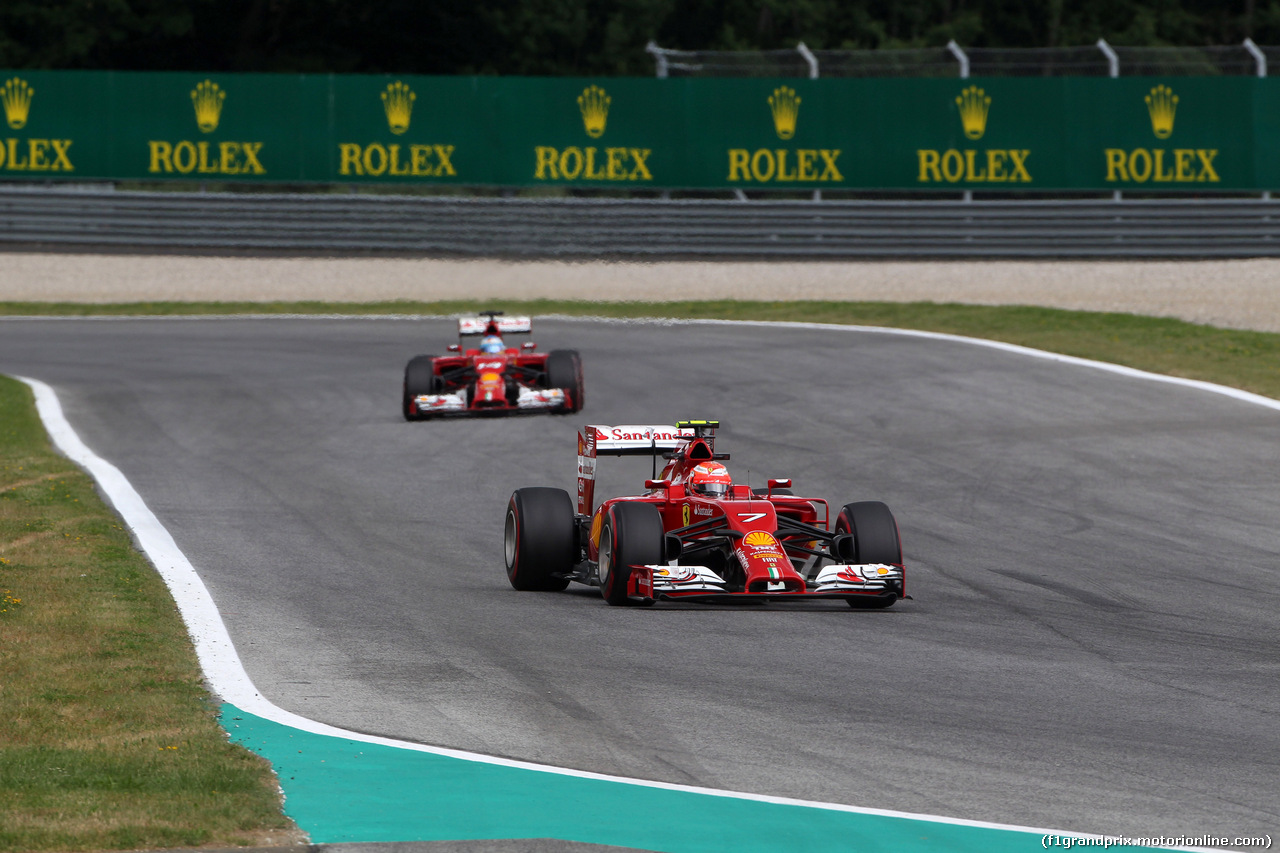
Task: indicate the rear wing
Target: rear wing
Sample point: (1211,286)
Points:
(506,325)
(632,440)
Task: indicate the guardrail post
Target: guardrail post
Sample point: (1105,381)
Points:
(961,57)
(803,50)
(1113,61)
(1113,70)
(1259,58)
(659,58)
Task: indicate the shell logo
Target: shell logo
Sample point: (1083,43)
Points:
(489,377)
(759,539)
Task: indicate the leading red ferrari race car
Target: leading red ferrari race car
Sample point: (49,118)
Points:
(695,535)
(492,378)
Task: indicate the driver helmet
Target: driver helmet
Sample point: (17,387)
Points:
(491,344)
(710,479)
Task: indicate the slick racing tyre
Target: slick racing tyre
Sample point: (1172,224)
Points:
(419,378)
(632,535)
(875,538)
(537,539)
(564,371)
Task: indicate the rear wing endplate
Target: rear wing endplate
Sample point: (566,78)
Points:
(631,440)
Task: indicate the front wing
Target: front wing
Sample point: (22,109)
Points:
(699,583)
(530,399)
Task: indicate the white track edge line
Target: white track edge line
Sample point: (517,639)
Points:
(229,680)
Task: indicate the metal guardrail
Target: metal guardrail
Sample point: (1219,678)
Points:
(61,219)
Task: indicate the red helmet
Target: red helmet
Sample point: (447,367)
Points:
(710,479)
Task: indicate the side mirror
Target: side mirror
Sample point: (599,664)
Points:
(455,348)
(780,484)
(656,484)
(528,345)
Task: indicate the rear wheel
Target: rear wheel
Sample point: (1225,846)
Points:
(564,371)
(632,535)
(419,378)
(537,539)
(875,540)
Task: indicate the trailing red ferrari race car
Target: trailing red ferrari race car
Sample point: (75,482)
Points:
(695,535)
(492,378)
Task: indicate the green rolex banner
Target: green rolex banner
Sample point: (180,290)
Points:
(1189,134)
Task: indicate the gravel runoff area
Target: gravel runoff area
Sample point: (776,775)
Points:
(1243,294)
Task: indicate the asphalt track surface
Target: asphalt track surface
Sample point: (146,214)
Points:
(1093,643)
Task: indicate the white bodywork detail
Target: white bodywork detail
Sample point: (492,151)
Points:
(440,403)
(506,325)
(865,576)
(543,398)
(685,578)
(639,437)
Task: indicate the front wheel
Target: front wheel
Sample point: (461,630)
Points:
(538,539)
(419,378)
(564,371)
(632,535)
(875,540)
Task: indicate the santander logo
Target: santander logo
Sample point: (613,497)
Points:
(620,434)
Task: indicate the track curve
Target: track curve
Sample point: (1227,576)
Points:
(1093,643)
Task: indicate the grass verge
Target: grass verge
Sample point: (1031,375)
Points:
(108,739)
(1238,358)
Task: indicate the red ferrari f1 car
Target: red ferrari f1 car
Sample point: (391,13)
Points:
(695,535)
(492,378)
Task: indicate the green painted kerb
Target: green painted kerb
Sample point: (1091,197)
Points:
(340,790)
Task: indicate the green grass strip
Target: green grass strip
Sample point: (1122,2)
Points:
(1237,358)
(108,739)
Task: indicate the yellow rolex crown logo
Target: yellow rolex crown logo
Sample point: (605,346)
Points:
(208,98)
(785,107)
(974,105)
(16,95)
(1161,105)
(398,102)
(594,103)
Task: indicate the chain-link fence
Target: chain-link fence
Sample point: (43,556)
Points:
(1088,61)
(925,62)
(729,63)
(1097,60)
